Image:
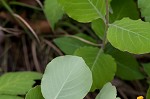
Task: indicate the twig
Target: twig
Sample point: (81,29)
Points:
(9,30)
(106,24)
(79,38)
(122,94)
(26,57)
(4,64)
(53,46)
(35,60)
(29,27)
(24,5)
(4,3)
(83,40)
(38,1)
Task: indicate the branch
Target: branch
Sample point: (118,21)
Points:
(106,24)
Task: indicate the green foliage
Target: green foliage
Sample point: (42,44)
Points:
(123,8)
(53,11)
(127,66)
(9,97)
(130,35)
(107,92)
(99,28)
(103,66)
(144,7)
(72,77)
(66,77)
(148,94)
(34,93)
(146,67)
(68,45)
(17,83)
(78,9)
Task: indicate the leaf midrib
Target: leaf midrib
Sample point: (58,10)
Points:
(96,59)
(64,84)
(116,26)
(98,12)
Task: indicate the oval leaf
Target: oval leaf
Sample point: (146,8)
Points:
(53,11)
(107,92)
(130,35)
(103,66)
(66,77)
(127,66)
(34,93)
(18,83)
(78,9)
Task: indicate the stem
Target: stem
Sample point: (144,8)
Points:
(84,40)
(5,4)
(106,24)
(24,5)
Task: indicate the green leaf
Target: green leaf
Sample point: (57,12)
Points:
(53,11)
(130,35)
(66,77)
(127,66)
(144,7)
(123,8)
(68,45)
(148,93)
(34,93)
(86,37)
(103,66)
(99,27)
(17,83)
(78,9)
(107,92)
(147,68)
(9,97)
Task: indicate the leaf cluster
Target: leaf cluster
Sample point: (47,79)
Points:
(89,64)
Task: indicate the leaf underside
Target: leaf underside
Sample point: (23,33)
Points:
(66,77)
(107,92)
